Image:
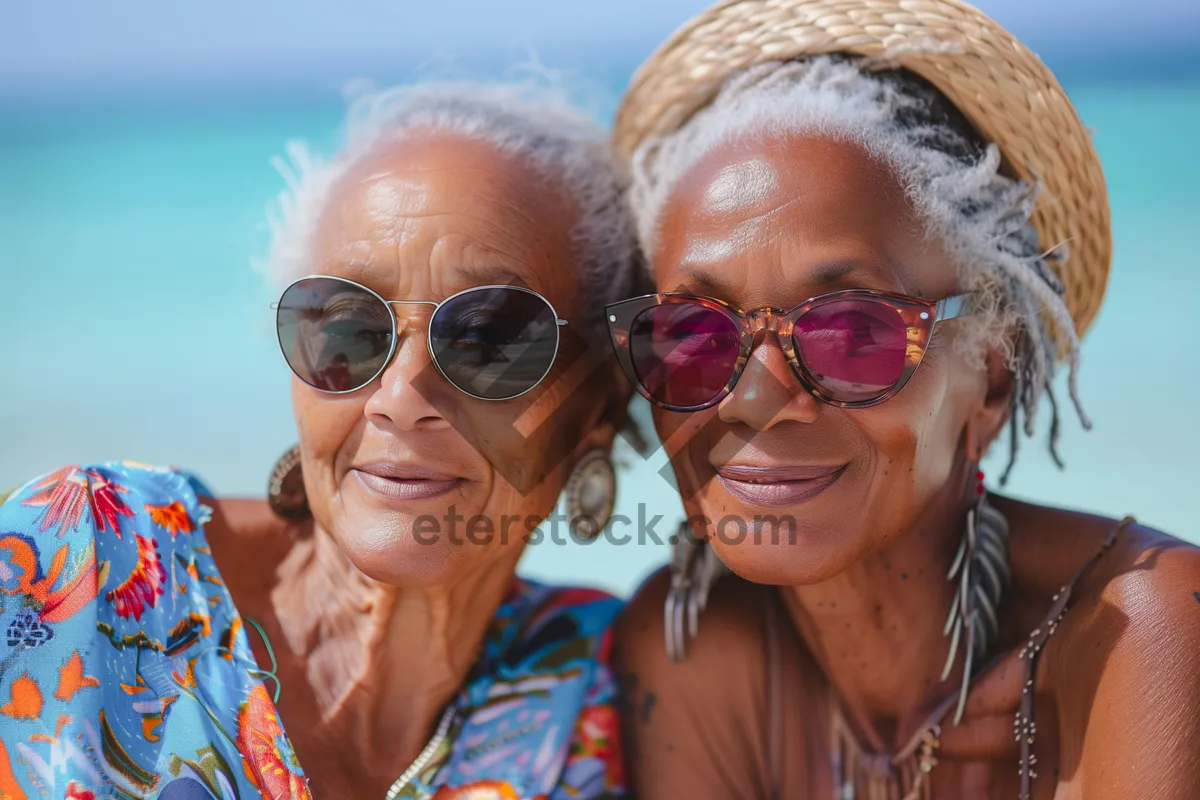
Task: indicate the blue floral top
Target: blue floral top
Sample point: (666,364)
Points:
(126,672)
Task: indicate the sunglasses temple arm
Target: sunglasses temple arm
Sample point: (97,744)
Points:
(958,306)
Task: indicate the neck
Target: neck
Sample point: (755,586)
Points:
(381,662)
(876,629)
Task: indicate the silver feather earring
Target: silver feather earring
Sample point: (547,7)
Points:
(695,567)
(982,572)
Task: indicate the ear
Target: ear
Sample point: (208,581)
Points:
(990,415)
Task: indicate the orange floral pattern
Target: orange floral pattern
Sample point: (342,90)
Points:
(25,699)
(71,678)
(114,683)
(173,518)
(268,753)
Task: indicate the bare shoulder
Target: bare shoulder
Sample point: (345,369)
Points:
(248,541)
(1151,574)
(1145,587)
(245,517)
(1138,607)
(1125,663)
(694,728)
(1143,569)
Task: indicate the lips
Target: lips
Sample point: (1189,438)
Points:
(777,485)
(405,481)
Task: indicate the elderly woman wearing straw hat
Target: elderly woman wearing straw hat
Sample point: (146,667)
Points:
(877,228)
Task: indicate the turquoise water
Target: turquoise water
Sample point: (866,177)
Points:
(133,326)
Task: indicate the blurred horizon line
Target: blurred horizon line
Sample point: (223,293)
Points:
(273,86)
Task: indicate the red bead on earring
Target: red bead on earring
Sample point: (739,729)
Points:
(979,488)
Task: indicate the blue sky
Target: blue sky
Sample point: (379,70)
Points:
(79,45)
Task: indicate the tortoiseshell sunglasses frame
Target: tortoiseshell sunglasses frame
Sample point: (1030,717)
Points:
(920,317)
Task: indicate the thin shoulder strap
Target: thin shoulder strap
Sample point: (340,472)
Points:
(1031,652)
(774,697)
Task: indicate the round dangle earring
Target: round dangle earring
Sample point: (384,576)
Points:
(591,494)
(285,488)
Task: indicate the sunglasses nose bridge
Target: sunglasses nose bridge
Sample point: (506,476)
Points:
(774,320)
(393,303)
(409,313)
(766,322)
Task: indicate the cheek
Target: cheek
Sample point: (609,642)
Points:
(688,439)
(528,448)
(898,440)
(325,423)
(917,435)
(667,423)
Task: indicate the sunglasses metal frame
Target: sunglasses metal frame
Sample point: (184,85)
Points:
(920,317)
(437,304)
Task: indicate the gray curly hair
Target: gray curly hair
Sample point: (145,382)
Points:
(528,120)
(952,177)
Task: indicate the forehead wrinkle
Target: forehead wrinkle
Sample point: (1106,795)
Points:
(489,233)
(762,216)
(502,202)
(472,246)
(505,175)
(778,239)
(501,221)
(786,265)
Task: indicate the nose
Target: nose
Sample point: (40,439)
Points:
(411,393)
(768,392)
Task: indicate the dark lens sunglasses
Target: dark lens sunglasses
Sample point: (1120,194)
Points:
(491,342)
(852,349)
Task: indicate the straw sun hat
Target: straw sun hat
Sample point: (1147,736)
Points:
(998,83)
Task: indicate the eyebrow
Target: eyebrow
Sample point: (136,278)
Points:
(700,283)
(493,274)
(834,273)
(470,275)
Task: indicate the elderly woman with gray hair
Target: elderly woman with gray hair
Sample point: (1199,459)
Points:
(876,229)
(445,272)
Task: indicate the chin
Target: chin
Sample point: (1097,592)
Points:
(781,553)
(390,547)
(431,570)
